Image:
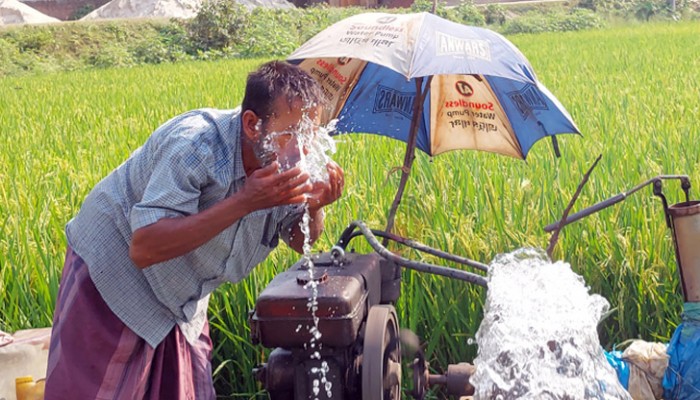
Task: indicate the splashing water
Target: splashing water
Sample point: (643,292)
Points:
(538,338)
(319,148)
(309,148)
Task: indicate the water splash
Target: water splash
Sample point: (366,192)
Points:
(319,146)
(538,338)
(309,148)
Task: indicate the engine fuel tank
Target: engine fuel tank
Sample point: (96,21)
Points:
(283,312)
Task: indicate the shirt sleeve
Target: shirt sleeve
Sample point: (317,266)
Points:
(291,215)
(174,188)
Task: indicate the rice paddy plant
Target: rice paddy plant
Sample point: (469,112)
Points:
(632,90)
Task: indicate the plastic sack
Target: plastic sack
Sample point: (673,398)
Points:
(682,378)
(640,368)
(22,354)
(647,362)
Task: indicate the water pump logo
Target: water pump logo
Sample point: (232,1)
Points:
(386,20)
(528,99)
(464,88)
(391,100)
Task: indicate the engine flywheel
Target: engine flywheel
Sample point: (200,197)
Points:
(381,355)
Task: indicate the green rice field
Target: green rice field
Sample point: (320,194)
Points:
(634,92)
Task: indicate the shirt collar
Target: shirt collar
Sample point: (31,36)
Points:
(236,126)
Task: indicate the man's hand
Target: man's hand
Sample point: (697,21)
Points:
(267,188)
(325,193)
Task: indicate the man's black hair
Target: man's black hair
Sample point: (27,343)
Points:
(277,79)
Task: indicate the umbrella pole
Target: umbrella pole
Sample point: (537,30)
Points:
(410,149)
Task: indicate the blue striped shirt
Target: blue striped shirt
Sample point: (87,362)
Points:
(187,165)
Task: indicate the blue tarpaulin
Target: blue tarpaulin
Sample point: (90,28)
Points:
(620,366)
(682,379)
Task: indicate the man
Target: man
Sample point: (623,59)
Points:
(195,206)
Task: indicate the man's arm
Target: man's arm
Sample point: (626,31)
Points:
(173,237)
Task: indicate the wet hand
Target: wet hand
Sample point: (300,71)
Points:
(324,193)
(266,187)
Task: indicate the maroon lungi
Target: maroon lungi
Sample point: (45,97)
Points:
(93,355)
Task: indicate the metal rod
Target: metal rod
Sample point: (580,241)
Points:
(406,263)
(420,247)
(555,236)
(611,201)
(434,379)
(586,212)
(410,149)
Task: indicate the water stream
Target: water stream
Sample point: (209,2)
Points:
(309,148)
(538,338)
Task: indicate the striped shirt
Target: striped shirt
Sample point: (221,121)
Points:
(187,165)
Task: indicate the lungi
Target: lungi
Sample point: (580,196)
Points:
(93,355)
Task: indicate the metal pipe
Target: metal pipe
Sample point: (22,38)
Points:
(422,248)
(616,199)
(406,263)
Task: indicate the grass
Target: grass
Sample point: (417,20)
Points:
(632,90)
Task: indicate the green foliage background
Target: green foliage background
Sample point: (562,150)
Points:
(632,90)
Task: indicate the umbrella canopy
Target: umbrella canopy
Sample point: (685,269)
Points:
(484,94)
(433,83)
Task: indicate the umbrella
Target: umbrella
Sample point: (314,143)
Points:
(435,84)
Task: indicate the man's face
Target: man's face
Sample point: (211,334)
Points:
(284,133)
